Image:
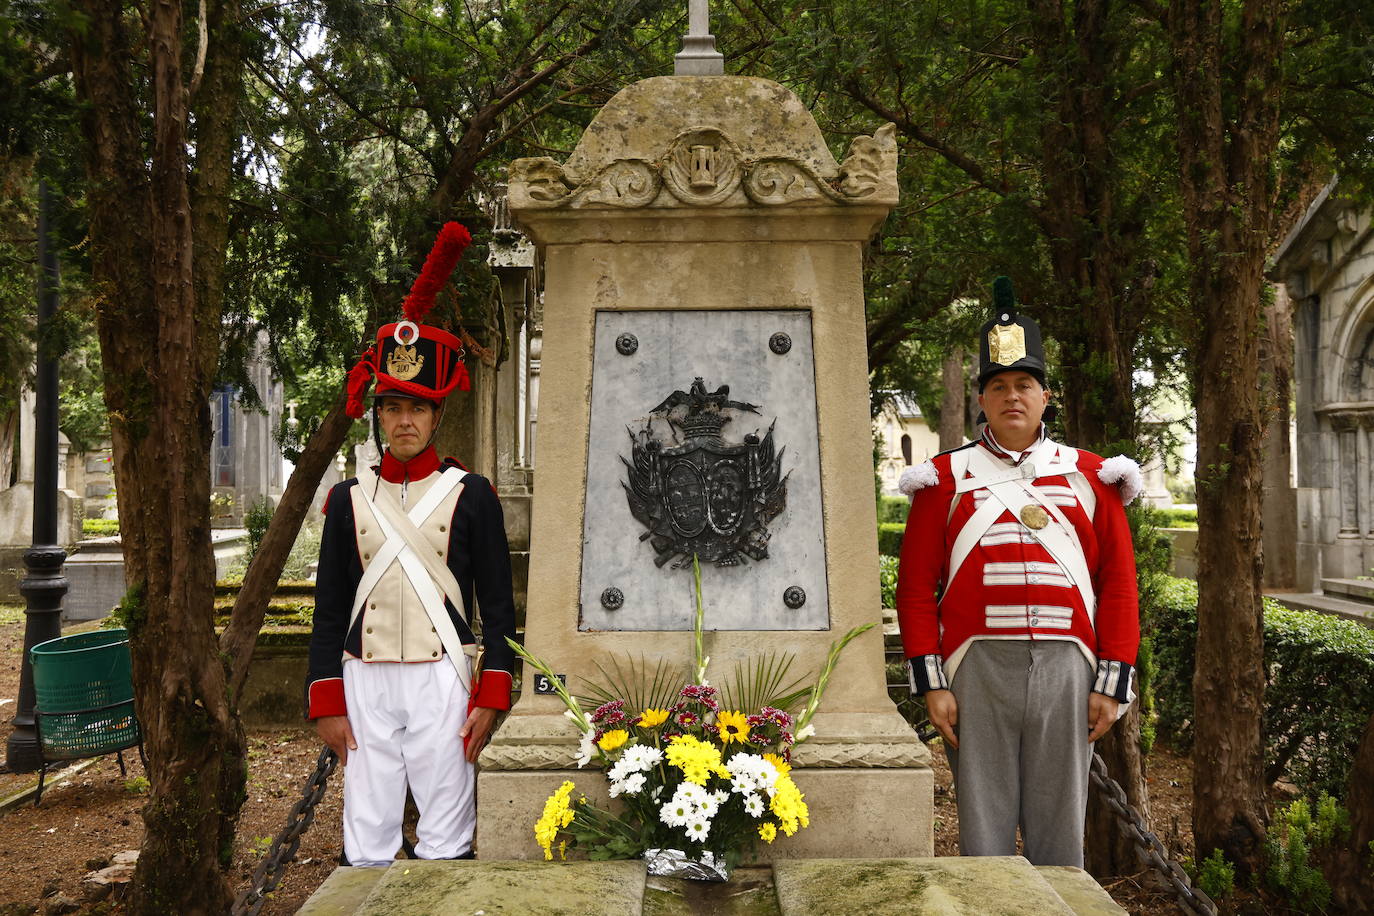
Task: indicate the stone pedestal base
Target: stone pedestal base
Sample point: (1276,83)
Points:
(884,808)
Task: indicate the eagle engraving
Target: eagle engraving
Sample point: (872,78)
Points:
(700,494)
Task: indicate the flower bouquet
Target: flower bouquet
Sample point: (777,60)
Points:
(700,775)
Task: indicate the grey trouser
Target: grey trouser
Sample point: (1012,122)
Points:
(1023,749)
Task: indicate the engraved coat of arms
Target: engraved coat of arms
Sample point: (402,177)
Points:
(697,493)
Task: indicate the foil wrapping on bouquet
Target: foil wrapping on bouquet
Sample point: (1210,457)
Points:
(674,863)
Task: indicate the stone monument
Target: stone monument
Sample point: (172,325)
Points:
(705,390)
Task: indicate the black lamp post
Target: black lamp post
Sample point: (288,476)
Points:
(44,585)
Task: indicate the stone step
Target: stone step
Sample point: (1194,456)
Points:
(989,886)
(992,886)
(1349,589)
(1359,611)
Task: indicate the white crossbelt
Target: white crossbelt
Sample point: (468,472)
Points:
(1013,489)
(405,543)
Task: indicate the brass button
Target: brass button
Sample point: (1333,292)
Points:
(362,531)
(369,629)
(434,655)
(432,630)
(439,552)
(443,527)
(369,655)
(367,556)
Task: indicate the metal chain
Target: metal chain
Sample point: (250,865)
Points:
(283,851)
(1148,848)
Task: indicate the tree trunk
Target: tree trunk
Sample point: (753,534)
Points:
(953,400)
(9,428)
(158,321)
(1226,88)
(1351,869)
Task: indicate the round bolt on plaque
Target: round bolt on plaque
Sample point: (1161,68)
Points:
(780,343)
(626,344)
(794,597)
(612,599)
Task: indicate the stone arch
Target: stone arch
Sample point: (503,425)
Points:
(1354,349)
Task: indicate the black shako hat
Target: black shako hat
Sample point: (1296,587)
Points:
(1009,341)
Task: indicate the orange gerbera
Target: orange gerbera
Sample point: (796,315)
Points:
(732,726)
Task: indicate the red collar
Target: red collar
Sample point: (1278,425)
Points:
(394,470)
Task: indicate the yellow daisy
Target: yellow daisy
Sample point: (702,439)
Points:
(783,767)
(768,831)
(733,726)
(613,739)
(653,718)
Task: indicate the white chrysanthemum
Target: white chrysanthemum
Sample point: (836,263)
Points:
(675,814)
(690,792)
(697,829)
(634,783)
(640,758)
(719,796)
(753,805)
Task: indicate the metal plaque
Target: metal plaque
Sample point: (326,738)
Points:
(704,443)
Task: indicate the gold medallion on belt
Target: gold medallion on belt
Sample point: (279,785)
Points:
(1034,516)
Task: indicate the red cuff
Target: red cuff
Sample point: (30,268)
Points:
(327,698)
(493,690)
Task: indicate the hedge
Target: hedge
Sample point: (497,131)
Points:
(893,509)
(99,527)
(1319,694)
(890,538)
(1174,517)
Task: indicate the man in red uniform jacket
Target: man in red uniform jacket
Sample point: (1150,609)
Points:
(1017,603)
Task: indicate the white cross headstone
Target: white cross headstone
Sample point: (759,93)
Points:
(698,56)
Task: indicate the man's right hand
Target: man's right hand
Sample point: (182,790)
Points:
(944,714)
(334,731)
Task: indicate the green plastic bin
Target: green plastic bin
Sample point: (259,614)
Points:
(84,697)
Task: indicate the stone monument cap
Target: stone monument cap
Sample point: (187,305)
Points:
(763,118)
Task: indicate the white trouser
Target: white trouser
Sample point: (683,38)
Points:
(405,718)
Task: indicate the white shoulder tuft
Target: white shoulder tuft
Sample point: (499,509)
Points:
(1125,473)
(918,477)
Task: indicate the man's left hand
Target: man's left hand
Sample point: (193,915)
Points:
(476,731)
(1102,711)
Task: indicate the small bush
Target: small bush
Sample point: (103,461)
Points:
(256,520)
(1216,876)
(1288,849)
(887,579)
(1319,695)
(893,509)
(890,538)
(99,527)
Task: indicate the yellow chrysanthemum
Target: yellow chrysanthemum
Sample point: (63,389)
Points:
(653,718)
(557,815)
(788,806)
(732,726)
(768,831)
(613,739)
(783,767)
(696,759)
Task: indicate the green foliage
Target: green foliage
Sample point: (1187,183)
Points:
(1177,518)
(1293,839)
(887,578)
(256,520)
(129,614)
(99,527)
(1216,876)
(1183,490)
(11,614)
(1319,695)
(305,551)
(137,785)
(890,538)
(893,509)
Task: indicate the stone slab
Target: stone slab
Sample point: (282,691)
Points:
(721,348)
(1354,589)
(342,892)
(749,892)
(988,886)
(433,888)
(1083,895)
(1358,611)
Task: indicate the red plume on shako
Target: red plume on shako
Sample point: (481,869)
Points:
(411,359)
